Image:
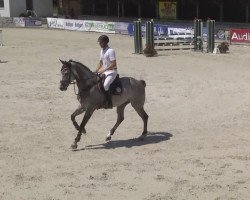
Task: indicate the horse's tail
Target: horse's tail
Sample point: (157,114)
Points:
(143,83)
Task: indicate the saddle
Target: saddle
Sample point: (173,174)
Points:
(114,89)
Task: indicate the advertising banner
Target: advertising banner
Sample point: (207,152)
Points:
(121,28)
(32,22)
(19,21)
(167,9)
(55,23)
(240,35)
(99,26)
(74,25)
(165,30)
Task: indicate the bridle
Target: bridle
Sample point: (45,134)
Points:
(73,82)
(67,81)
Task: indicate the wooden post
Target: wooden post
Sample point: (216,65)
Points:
(93,7)
(157,9)
(197,7)
(123,13)
(221,12)
(246,3)
(220,4)
(1,38)
(197,10)
(118,9)
(107,7)
(139,8)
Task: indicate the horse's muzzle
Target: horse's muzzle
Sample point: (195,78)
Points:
(63,86)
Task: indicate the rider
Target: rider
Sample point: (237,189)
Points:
(107,66)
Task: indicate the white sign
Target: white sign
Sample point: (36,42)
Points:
(55,23)
(81,25)
(76,25)
(19,21)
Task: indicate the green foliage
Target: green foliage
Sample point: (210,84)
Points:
(223,47)
(149,51)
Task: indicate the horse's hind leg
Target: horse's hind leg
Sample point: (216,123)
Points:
(141,112)
(77,112)
(120,118)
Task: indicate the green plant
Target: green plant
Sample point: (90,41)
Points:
(149,51)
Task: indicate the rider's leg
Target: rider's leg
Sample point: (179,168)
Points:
(109,79)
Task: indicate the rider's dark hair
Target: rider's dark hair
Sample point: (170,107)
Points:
(103,38)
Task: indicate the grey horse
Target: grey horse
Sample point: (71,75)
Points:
(92,98)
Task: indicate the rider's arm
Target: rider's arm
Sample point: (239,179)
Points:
(113,64)
(110,67)
(99,66)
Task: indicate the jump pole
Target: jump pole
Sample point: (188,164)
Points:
(210,35)
(137,37)
(198,34)
(150,34)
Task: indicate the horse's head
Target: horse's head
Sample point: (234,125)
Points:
(67,75)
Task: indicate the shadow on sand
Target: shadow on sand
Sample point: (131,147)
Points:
(152,138)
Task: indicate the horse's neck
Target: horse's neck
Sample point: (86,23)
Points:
(84,78)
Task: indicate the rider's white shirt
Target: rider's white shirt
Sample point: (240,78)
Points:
(106,56)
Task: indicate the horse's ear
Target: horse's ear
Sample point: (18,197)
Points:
(63,62)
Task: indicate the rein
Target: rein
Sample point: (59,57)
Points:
(98,78)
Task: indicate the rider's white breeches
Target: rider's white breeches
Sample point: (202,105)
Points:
(109,79)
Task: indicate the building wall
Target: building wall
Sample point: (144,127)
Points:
(17,7)
(43,8)
(13,8)
(5,12)
(72,8)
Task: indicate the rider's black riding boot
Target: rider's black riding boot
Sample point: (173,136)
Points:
(108,104)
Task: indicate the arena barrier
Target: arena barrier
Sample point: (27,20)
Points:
(166,43)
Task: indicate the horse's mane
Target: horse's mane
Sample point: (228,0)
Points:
(82,65)
(91,79)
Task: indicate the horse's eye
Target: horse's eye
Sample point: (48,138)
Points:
(65,72)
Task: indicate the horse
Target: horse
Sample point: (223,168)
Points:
(91,97)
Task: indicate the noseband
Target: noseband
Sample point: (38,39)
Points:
(68,82)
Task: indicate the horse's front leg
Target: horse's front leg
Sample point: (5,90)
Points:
(77,112)
(86,118)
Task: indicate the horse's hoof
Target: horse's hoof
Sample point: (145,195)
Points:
(142,137)
(84,130)
(73,146)
(108,138)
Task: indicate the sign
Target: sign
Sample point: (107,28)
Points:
(167,9)
(99,26)
(121,28)
(32,22)
(19,21)
(240,35)
(55,23)
(74,25)
(165,30)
